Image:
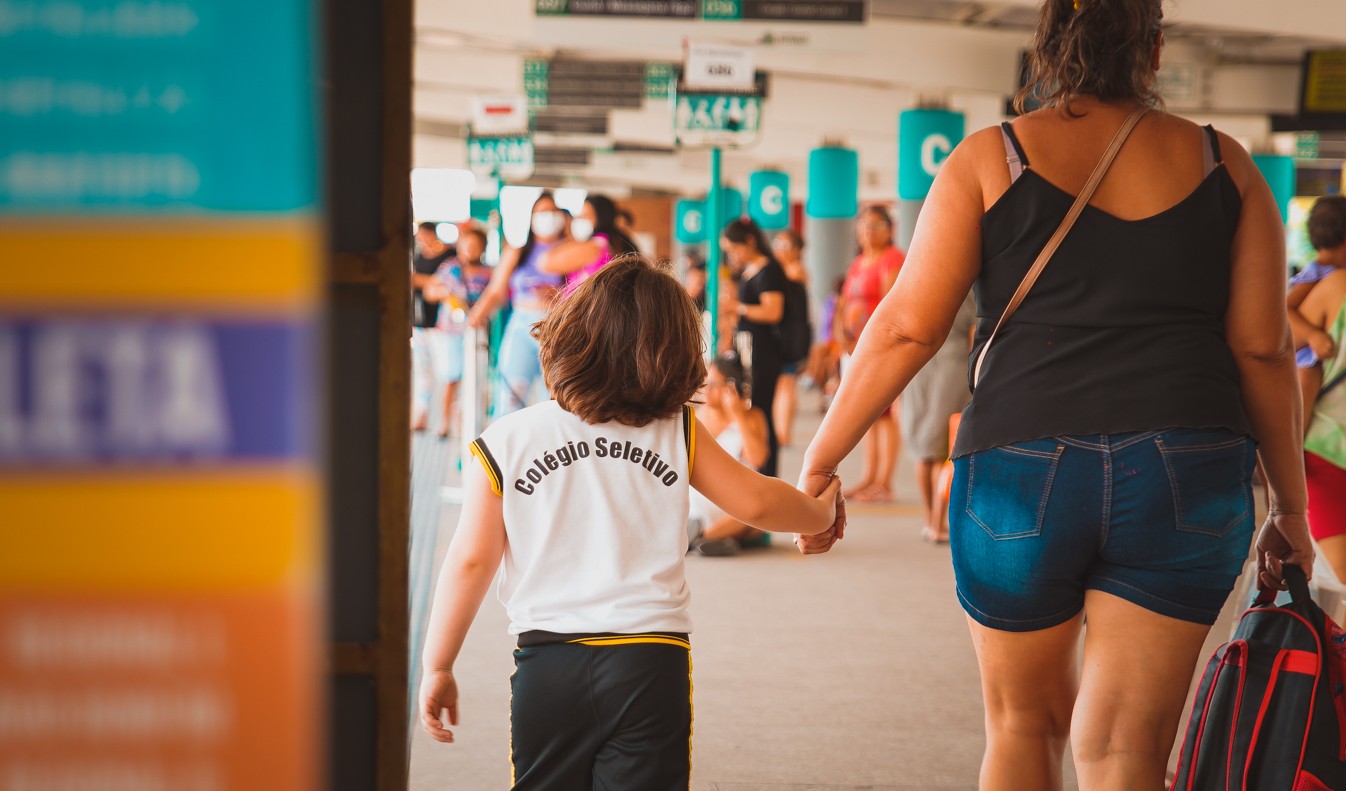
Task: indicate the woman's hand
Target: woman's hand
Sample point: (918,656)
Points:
(439,691)
(1283,539)
(814,483)
(1322,345)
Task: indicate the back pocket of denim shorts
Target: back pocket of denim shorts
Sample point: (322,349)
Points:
(1208,472)
(1008,487)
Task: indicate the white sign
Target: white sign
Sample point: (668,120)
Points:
(498,116)
(719,66)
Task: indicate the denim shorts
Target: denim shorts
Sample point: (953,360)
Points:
(1162,519)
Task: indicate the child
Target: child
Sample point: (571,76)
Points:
(1327,234)
(585,498)
(458,285)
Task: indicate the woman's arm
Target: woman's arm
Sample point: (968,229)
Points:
(470,565)
(754,499)
(770,308)
(1303,329)
(572,256)
(913,320)
(497,290)
(1258,333)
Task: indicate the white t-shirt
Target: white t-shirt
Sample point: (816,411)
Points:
(595,520)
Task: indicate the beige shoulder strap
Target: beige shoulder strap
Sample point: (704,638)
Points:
(1090,186)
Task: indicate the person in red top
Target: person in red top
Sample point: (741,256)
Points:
(872,273)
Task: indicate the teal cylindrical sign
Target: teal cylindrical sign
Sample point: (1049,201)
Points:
(1280,175)
(769,199)
(731,205)
(834,183)
(925,138)
(690,216)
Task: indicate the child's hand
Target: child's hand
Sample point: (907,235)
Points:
(439,691)
(1322,345)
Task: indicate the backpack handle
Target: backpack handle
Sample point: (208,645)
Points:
(1295,580)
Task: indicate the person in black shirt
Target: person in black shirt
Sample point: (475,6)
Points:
(761,297)
(429,351)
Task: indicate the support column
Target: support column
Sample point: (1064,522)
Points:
(829,218)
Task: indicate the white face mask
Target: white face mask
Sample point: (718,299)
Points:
(581,229)
(548,223)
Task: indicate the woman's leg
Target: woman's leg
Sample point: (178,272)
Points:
(1334,552)
(1138,667)
(784,407)
(765,370)
(870,445)
(446,419)
(889,445)
(1028,682)
(933,528)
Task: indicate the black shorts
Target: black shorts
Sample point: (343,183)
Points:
(601,713)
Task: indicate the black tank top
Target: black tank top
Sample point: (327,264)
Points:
(1124,329)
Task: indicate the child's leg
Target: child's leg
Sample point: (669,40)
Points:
(551,745)
(643,695)
(1310,381)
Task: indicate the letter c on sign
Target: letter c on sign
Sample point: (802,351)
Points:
(932,145)
(773,200)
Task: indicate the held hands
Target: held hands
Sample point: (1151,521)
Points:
(1322,345)
(439,691)
(1283,539)
(824,486)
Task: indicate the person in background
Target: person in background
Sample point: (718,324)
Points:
(741,429)
(795,329)
(457,287)
(936,393)
(517,280)
(595,240)
(428,344)
(1327,234)
(825,356)
(1102,496)
(760,309)
(869,278)
(1324,309)
(694,277)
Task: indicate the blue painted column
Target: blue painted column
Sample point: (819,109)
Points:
(829,218)
(925,138)
(1280,175)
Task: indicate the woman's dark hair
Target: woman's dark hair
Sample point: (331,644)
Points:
(794,237)
(879,213)
(1327,222)
(741,230)
(1099,48)
(625,347)
(605,214)
(473,231)
(527,248)
(731,368)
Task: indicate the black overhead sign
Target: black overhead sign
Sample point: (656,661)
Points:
(606,84)
(716,10)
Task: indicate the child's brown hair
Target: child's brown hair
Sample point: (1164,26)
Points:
(625,346)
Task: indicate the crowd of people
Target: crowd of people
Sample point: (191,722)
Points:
(1128,368)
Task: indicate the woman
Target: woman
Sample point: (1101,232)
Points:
(595,240)
(517,280)
(761,306)
(457,287)
(1325,446)
(741,429)
(936,393)
(1103,468)
(870,276)
(788,246)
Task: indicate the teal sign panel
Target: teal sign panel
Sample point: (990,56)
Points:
(690,218)
(731,205)
(140,106)
(769,199)
(925,138)
(1280,175)
(834,183)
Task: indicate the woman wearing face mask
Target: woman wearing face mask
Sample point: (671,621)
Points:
(595,240)
(518,280)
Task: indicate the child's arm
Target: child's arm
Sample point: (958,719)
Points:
(470,565)
(1304,332)
(754,499)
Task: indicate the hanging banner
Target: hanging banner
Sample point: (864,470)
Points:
(161,242)
(769,199)
(925,138)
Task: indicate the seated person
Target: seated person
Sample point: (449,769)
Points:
(741,430)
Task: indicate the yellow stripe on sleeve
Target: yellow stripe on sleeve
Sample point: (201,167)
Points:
(691,440)
(491,472)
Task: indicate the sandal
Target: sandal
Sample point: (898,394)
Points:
(933,536)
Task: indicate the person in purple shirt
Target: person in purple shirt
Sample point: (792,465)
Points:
(1327,234)
(518,281)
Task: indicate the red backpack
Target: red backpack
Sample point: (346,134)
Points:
(1270,714)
